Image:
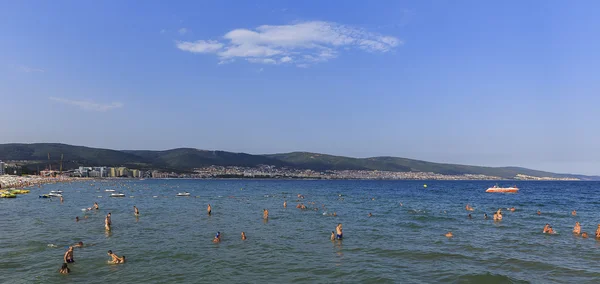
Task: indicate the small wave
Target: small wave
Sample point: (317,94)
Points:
(487,278)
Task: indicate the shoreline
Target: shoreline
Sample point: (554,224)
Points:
(11,182)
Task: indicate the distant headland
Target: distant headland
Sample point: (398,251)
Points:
(62,159)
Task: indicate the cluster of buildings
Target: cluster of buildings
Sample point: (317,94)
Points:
(100,172)
(266,171)
(526,177)
(269,171)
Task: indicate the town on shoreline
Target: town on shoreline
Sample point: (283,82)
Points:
(234,172)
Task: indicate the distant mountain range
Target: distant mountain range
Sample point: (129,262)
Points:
(186,159)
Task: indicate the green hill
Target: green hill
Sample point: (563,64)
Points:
(322,162)
(186,159)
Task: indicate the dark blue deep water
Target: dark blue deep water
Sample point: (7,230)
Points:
(171,241)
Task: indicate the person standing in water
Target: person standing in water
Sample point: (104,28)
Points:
(598,232)
(265,214)
(243,236)
(95,207)
(61,199)
(136,211)
(107,222)
(574,213)
(339,234)
(284,204)
(68,257)
(217,238)
(209,209)
(577,228)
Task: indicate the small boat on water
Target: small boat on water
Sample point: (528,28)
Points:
(117,195)
(496,188)
(110,190)
(183,194)
(45,196)
(56,191)
(54,194)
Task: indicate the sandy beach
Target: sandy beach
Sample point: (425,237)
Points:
(8,181)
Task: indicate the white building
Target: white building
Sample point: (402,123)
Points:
(1,168)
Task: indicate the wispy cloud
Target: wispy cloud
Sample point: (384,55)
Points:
(303,43)
(28,69)
(88,105)
(200,46)
(182,31)
(162,31)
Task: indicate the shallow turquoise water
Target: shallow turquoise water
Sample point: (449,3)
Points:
(171,241)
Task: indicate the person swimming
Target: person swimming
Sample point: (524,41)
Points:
(485,216)
(217,238)
(469,216)
(577,228)
(77,219)
(136,211)
(546,229)
(512,209)
(370,215)
(78,245)
(339,234)
(469,208)
(574,213)
(498,215)
(265,214)
(584,235)
(95,207)
(64,269)
(539,212)
(115,258)
(243,236)
(449,234)
(598,232)
(68,257)
(209,209)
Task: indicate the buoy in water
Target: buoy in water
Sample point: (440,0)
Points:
(424,186)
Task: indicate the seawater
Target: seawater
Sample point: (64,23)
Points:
(171,242)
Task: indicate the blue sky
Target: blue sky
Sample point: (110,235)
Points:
(470,82)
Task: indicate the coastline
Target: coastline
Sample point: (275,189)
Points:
(8,181)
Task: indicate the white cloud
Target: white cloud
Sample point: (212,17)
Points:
(307,42)
(200,46)
(262,60)
(182,31)
(28,69)
(88,105)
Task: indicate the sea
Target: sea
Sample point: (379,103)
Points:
(402,242)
